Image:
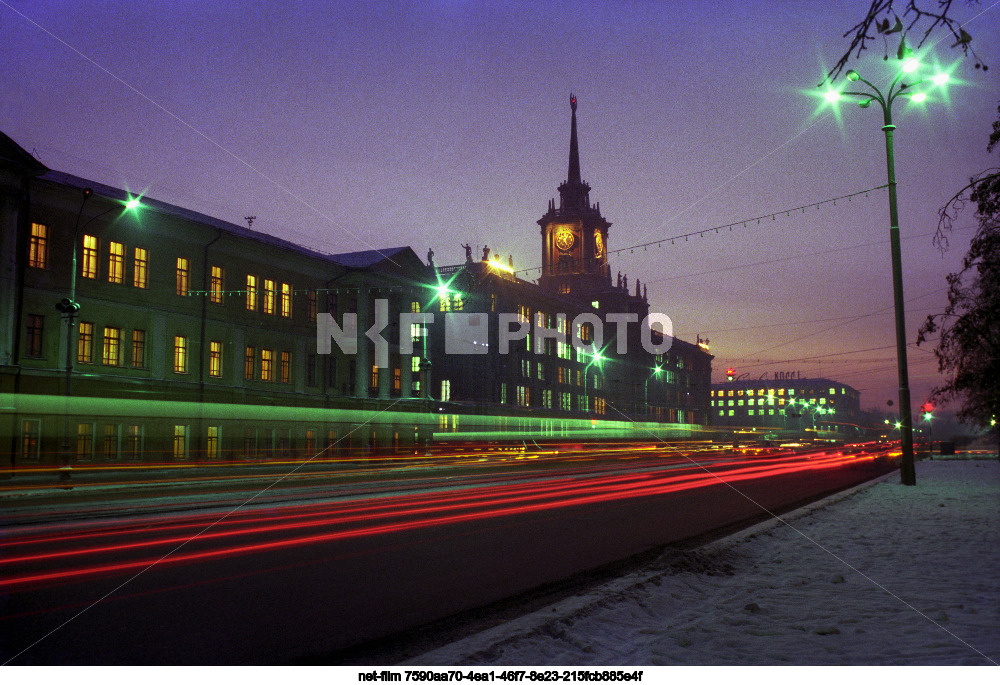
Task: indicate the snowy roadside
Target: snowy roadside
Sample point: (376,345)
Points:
(882,575)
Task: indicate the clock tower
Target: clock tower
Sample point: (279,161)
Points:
(574,234)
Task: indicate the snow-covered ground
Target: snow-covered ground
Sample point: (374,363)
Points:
(883,574)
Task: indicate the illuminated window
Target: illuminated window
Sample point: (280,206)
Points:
(833,391)
(180,442)
(116,262)
(286,300)
(415,307)
(180,354)
(268,296)
(183,276)
(730,412)
(311,305)
(523,395)
(85,343)
(38,250)
(267,365)
(722,412)
(215,359)
(248,362)
(216,284)
(445,391)
(140,277)
(251,293)
(212,450)
(138,349)
(750,412)
(739,403)
(730,393)
(88,267)
(84,441)
(111,353)
(286,366)
(374,376)
(397,380)
(33,335)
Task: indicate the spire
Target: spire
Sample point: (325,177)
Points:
(574,193)
(573,176)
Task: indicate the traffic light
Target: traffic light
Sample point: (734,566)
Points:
(928,410)
(730,373)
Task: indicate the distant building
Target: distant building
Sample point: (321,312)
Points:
(787,402)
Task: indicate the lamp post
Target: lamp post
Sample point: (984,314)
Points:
(656,371)
(885,101)
(69,307)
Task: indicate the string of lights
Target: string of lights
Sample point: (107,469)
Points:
(773,216)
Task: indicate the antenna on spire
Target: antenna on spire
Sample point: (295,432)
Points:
(572,102)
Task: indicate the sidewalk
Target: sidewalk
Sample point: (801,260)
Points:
(882,575)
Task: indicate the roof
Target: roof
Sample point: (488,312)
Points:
(18,157)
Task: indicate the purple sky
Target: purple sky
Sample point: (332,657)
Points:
(348,126)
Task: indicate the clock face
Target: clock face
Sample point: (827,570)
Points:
(564,239)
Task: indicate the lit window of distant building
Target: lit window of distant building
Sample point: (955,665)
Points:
(286,299)
(215,359)
(180,354)
(183,276)
(286,367)
(85,343)
(111,353)
(140,277)
(138,349)
(116,262)
(251,293)
(88,265)
(267,365)
(38,250)
(248,362)
(268,296)
(216,285)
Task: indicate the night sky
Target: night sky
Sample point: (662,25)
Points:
(358,125)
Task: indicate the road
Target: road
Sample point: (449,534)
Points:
(227,566)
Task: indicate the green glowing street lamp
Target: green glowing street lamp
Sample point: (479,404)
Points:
(885,101)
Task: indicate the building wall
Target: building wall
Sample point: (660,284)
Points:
(795,404)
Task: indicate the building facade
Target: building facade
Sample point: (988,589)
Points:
(790,403)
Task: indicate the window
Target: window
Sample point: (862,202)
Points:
(111,353)
(85,343)
(397,380)
(33,335)
(138,349)
(88,267)
(215,359)
(215,285)
(116,262)
(286,367)
(84,441)
(310,442)
(133,442)
(31,430)
(415,307)
(523,395)
(140,275)
(109,446)
(311,305)
(267,365)
(286,300)
(212,450)
(268,296)
(445,391)
(248,363)
(183,276)
(311,370)
(251,293)
(374,381)
(38,251)
(180,442)
(180,354)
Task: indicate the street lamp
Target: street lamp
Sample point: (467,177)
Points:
(69,307)
(886,100)
(656,371)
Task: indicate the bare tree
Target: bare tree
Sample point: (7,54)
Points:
(883,20)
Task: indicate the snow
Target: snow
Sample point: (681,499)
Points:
(883,574)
